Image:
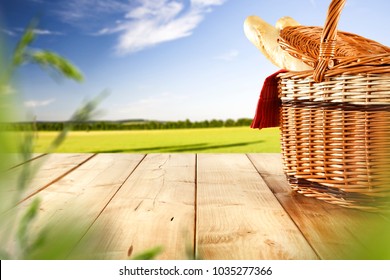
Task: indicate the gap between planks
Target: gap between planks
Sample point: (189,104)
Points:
(158,162)
(195,208)
(268,167)
(41,171)
(333,232)
(56,179)
(115,193)
(77,199)
(19,162)
(238,215)
(324,226)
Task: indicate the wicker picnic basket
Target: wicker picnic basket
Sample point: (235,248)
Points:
(335,120)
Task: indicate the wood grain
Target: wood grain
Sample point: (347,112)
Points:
(41,173)
(207,206)
(16,159)
(154,208)
(74,202)
(334,232)
(238,217)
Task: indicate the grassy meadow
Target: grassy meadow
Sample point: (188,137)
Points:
(204,140)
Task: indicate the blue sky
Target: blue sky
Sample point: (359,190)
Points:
(162,59)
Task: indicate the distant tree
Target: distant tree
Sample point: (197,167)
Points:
(188,123)
(230,123)
(153,125)
(216,123)
(243,122)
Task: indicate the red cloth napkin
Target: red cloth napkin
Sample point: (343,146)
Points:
(268,106)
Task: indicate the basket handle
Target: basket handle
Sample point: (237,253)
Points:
(328,40)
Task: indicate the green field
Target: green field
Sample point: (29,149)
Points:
(206,140)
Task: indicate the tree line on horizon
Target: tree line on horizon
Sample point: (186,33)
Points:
(124,125)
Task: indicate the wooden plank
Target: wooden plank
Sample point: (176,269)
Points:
(16,159)
(238,217)
(271,169)
(74,202)
(155,207)
(43,171)
(334,232)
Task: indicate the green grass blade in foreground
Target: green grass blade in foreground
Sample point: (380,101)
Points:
(17,237)
(52,60)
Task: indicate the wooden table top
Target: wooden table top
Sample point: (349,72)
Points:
(203,206)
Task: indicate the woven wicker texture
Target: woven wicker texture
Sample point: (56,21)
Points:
(327,48)
(303,42)
(335,120)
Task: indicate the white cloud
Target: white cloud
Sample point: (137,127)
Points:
(152,22)
(80,11)
(228,56)
(8,32)
(207,3)
(38,103)
(163,10)
(143,23)
(149,32)
(37,31)
(47,32)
